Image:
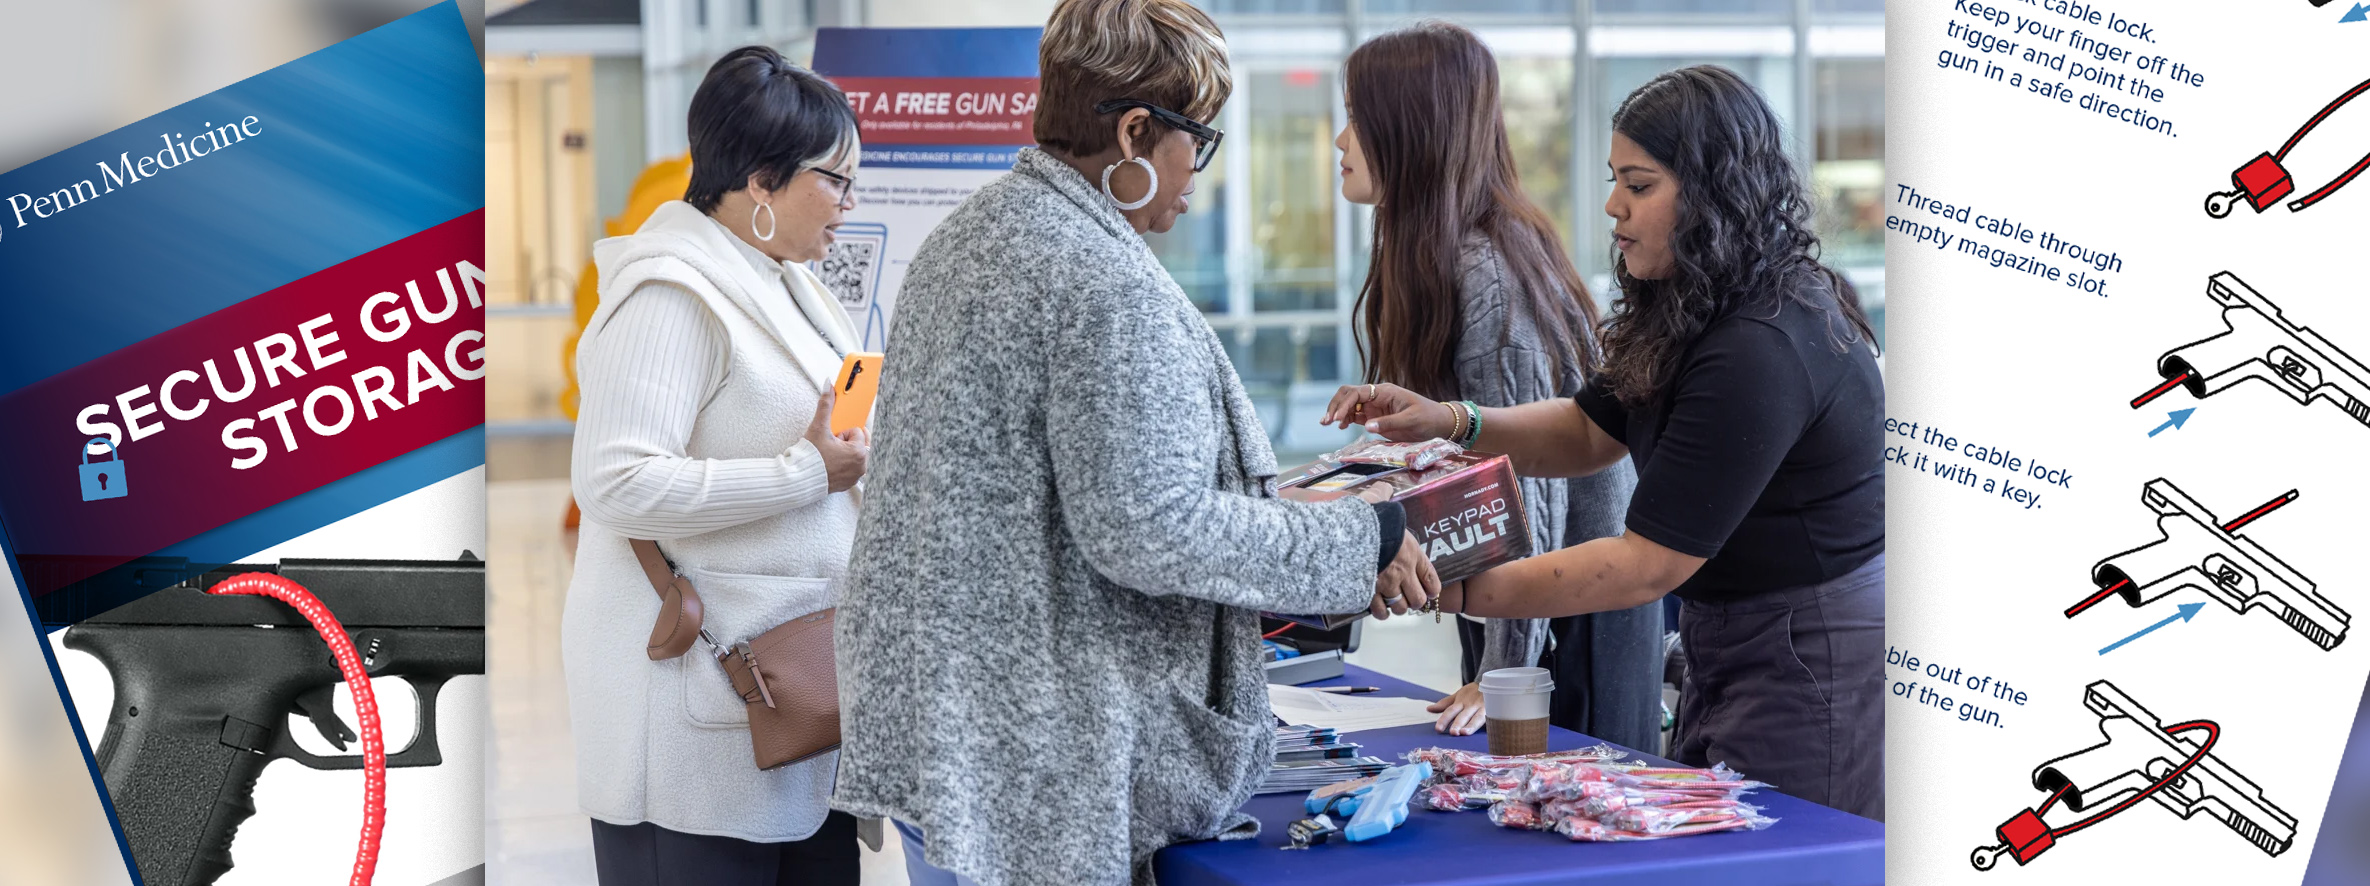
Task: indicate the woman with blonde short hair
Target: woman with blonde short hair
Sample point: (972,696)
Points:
(1048,650)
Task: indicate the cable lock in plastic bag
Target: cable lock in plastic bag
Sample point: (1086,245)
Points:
(1590,795)
(1412,456)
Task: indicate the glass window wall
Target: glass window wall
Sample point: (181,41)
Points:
(1303,251)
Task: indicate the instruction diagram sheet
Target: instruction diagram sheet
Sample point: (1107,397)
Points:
(2129,252)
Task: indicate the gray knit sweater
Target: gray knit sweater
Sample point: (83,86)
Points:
(1048,643)
(1502,360)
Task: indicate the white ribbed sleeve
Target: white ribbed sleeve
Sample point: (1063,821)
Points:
(650,369)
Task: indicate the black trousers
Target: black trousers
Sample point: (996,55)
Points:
(1788,687)
(648,855)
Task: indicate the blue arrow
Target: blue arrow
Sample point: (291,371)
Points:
(2188,611)
(2178,417)
(2361,13)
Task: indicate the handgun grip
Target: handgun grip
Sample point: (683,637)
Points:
(180,831)
(189,731)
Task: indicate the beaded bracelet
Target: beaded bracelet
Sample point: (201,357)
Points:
(1456,422)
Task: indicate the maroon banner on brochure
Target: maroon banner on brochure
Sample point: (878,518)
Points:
(249,406)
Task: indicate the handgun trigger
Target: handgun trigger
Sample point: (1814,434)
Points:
(318,704)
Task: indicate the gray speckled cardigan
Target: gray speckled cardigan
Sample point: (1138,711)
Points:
(1048,647)
(1501,361)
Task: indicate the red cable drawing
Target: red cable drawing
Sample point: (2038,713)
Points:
(366,707)
(2267,507)
(2158,391)
(2340,181)
(2052,801)
(2094,599)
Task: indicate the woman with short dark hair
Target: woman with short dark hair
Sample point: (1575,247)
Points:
(1050,643)
(1743,384)
(704,426)
(1470,295)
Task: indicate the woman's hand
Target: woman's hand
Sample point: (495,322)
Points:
(1461,712)
(844,455)
(1390,411)
(1405,584)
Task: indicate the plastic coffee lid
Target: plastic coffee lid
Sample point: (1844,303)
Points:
(1517,681)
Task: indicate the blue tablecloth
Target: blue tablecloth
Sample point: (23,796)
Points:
(1810,844)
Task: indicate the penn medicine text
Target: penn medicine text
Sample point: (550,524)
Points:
(127,170)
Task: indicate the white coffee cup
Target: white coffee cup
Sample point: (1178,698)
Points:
(1516,693)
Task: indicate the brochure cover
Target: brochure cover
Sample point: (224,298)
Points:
(241,382)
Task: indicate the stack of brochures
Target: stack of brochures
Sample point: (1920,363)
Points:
(1311,757)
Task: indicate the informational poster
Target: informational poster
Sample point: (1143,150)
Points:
(2128,414)
(942,111)
(242,405)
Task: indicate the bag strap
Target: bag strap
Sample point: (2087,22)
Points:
(654,565)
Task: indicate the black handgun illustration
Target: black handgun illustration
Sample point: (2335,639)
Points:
(204,685)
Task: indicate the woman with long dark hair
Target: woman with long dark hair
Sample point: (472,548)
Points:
(1470,295)
(1743,385)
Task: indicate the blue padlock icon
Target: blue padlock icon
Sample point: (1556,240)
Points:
(102,479)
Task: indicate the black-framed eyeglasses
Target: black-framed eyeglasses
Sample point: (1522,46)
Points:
(847,183)
(1205,139)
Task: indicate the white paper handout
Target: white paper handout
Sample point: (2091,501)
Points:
(1307,707)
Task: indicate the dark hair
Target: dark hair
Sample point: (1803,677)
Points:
(1163,52)
(1743,240)
(1424,102)
(756,114)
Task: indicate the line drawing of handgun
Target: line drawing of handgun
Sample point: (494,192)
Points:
(2198,551)
(205,684)
(2141,758)
(2259,343)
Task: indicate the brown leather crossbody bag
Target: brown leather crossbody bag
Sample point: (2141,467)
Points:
(785,675)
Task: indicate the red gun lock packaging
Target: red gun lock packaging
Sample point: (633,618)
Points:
(1465,510)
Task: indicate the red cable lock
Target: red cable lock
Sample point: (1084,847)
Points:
(2263,181)
(366,706)
(2025,835)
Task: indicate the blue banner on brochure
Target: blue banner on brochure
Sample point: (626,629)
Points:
(251,315)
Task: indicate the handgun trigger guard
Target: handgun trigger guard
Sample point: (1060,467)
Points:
(422,751)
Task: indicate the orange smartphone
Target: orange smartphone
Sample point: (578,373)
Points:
(858,380)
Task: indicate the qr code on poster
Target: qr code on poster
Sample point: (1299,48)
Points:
(846,268)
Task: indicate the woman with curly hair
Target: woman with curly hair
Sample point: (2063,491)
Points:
(1740,378)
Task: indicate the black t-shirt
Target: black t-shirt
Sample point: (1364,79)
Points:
(1764,454)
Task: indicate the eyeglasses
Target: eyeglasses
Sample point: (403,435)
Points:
(1205,139)
(847,183)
